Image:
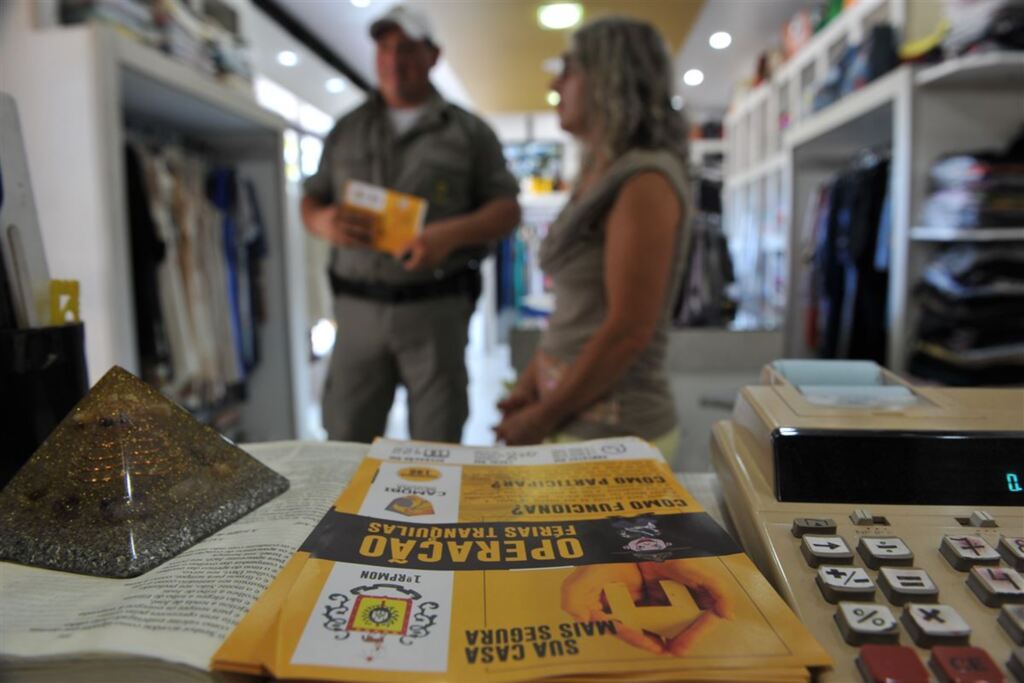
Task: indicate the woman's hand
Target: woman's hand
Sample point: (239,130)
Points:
(524,392)
(516,400)
(526,425)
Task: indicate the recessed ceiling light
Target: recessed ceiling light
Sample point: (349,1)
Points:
(693,77)
(720,40)
(335,85)
(554,98)
(287,58)
(677,102)
(361,3)
(560,15)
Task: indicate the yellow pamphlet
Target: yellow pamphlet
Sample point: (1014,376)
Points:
(395,217)
(451,563)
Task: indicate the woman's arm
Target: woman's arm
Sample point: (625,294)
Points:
(640,237)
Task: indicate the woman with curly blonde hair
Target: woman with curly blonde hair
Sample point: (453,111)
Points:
(615,253)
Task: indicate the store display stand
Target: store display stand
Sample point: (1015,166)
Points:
(107,83)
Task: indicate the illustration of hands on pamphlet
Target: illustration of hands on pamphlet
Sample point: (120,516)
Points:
(454,563)
(395,217)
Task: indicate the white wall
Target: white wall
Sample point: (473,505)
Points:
(537,125)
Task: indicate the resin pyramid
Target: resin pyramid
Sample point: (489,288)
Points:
(126,481)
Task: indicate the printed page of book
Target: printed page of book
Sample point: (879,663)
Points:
(182,610)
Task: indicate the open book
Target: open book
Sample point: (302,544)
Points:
(166,624)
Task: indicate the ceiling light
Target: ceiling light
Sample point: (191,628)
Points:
(554,98)
(693,77)
(360,3)
(560,15)
(720,40)
(287,58)
(335,85)
(677,102)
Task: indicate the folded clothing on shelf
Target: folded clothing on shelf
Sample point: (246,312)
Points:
(981,189)
(984,25)
(971,329)
(859,65)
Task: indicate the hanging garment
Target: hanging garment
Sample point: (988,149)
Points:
(148,253)
(220,189)
(849,287)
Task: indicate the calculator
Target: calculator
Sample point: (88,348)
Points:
(895,532)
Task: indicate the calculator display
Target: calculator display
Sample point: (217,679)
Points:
(899,468)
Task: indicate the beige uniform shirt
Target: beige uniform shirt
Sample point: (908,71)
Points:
(449,156)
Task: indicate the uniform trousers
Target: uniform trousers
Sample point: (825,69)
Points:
(420,344)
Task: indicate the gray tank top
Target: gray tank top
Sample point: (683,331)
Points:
(572,255)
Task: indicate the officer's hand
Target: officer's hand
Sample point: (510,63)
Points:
(338,227)
(352,229)
(428,249)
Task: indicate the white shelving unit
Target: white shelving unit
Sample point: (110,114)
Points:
(105,83)
(774,141)
(917,113)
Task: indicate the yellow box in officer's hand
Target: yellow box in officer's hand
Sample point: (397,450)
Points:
(395,217)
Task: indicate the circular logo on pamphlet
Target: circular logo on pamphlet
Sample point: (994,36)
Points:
(646,545)
(419,474)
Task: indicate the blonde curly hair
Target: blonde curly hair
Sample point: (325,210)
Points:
(629,80)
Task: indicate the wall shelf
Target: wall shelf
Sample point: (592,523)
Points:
(925,234)
(861,119)
(975,72)
(773,164)
(162,88)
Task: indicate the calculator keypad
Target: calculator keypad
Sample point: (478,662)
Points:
(1011,618)
(936,624)
(844,583)
(1012,550)
(886,663)
(964,665)
(866,622)
(992,572)
(964,552)
(819,550)
(884,550)
(996,586)
(901,585)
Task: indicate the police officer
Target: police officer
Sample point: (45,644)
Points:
(406,319)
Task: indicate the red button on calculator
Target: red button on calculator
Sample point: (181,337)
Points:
(891,664)
(964,665)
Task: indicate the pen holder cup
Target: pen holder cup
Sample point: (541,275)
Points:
(42,377)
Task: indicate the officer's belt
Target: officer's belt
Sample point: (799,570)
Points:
(464,282)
